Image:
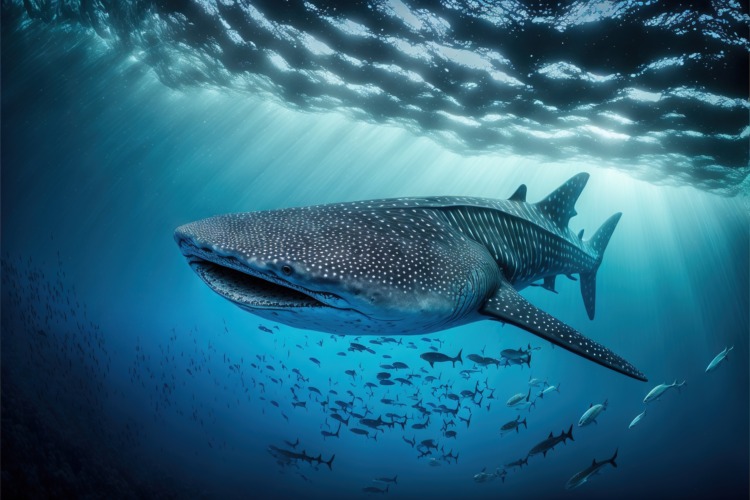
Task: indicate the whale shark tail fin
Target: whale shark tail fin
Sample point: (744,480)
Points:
(588,280)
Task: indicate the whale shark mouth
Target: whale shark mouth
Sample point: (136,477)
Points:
(249,291)
(249,288)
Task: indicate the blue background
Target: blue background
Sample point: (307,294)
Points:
(101,161)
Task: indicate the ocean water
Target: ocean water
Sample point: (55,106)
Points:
(123,375)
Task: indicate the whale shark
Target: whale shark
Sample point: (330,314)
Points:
(406,266)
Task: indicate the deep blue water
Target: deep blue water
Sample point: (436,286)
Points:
(123,375)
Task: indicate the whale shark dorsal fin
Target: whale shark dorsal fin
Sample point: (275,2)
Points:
(508,306)
(560,204)
(520,194)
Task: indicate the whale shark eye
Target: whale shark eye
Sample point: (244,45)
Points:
(287,270)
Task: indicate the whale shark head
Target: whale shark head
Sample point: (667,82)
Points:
(342,268)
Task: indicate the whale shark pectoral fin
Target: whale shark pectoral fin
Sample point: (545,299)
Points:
(509,306)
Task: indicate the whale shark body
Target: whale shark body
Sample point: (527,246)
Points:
(406,266)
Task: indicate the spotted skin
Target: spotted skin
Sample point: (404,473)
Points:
(402,266)
(509,306)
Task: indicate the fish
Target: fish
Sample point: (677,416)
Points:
(549,389)
(327,434)
(718,359)
(517,399)
(411,441)
(660,389)
(406,266)
(513,425)
(363,432)
(393,480)
(516,354)
(483,477)
(519,356)
(447,457)
(438,357)
(483,361)
(292,455)
(476,358)
(338,417)
(517,463)
(583,476)
(544,446)
(343,404)
(637,419)
(315,360)
(422,425)
(590,415)
(373,489)
(428,443)
(375,424)
(355,347)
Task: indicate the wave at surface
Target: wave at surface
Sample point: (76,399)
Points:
(657,89)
